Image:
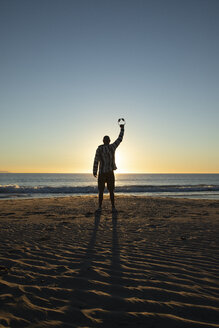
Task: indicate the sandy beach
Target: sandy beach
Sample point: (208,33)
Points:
(152,264)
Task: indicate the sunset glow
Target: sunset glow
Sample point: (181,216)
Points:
(70,69)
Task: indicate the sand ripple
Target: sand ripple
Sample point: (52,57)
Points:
(153,264)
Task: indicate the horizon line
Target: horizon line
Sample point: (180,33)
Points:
(8,172)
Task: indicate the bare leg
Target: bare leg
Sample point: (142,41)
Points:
(100,198)
(112,198)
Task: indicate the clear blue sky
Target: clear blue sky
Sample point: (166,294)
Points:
(69,69)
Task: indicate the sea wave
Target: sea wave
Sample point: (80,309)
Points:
(16,189)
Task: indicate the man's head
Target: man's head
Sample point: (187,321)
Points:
(106,140)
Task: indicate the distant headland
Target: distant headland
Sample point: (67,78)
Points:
(4,172)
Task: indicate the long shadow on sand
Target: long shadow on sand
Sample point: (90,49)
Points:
(89,255)
(115,260)
(116,274)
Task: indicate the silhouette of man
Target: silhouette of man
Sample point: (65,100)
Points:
(105,159)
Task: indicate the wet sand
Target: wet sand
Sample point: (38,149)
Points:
(152,264)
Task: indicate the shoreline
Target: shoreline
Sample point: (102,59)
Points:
(154,263)
(210,196)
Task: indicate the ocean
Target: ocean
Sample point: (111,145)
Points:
(19,185)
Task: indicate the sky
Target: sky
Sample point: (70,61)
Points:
(70,68)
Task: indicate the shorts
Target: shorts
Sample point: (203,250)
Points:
(107,178)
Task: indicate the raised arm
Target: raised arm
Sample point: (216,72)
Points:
(96,161)
(120,137)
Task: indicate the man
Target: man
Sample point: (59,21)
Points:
(105,158)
